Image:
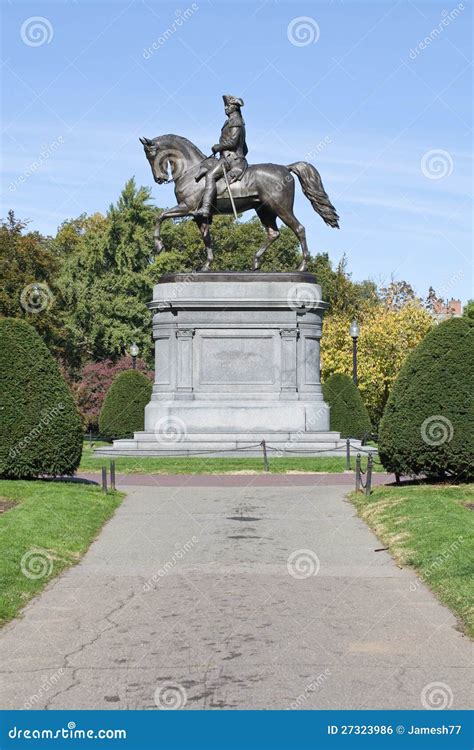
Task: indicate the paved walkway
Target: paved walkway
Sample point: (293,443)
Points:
(346,479)
(243,597)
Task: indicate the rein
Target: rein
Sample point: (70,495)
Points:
(172,179)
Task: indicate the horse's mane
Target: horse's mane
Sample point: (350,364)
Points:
(185,142)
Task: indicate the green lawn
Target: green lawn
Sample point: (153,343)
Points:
(429,528)
(48,530)
(209,465)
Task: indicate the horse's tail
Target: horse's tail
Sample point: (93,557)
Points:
(313,189)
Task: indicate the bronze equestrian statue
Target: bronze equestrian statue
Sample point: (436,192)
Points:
(267,188)
(232,149)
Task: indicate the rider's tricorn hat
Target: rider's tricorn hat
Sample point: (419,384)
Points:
(232,100)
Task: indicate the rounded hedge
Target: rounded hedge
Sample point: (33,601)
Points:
(348,415)
(40,428)
(428,423)
(123,410)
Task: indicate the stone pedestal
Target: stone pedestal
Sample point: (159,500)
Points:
(237,361)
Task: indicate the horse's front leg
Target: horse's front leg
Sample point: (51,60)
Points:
(171,213)
(207,239)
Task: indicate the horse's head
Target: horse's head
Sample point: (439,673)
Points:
(167,160)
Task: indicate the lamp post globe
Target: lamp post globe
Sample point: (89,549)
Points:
(134,350)
(354,331)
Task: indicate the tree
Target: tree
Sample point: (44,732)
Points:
(40,428)
(428,424)
(123,410)
(398,294)
(94,381)
(386,338)
(468,311)
(106,281)
(432,300)
(28,268)
(348,413)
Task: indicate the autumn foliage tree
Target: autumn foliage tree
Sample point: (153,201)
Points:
(93,382)
(387,336)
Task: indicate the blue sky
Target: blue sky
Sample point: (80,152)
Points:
(378,96)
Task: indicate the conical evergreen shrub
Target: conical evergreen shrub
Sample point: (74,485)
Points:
(428,424)
(123,410)
(40,428)
(349,415)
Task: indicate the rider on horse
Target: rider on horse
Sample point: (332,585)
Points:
(232,149)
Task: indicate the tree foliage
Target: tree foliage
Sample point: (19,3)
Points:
(28,269)
(93,382)
(40,428)
(348,412)
(123,410)
(387,336)
(428,424)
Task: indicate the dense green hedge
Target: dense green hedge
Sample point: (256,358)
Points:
(40,428)
(428,423)
(123,410)
(349,415)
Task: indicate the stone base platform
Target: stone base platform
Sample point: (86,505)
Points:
(279,444)
(237,362)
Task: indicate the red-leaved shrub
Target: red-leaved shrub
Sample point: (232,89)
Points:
(94,381)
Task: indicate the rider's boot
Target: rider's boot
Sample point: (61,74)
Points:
(205,209)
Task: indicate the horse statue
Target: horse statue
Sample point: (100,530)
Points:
(267,188)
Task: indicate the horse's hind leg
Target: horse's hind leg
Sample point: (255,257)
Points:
(288,217)
(207,239)
(268,219)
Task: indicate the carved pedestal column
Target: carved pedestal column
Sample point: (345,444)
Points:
(288,363)
(184,380)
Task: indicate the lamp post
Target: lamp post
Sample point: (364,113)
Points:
(134,352)
(354,332)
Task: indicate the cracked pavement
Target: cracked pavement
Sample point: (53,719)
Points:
(190,590)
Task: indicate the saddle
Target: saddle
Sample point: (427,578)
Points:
(244,187)
(241,184)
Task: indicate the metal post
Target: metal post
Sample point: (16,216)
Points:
(348,454)
(358,473)
(354,360)
(265,458)
(104,479)
(134,363)
(368,484)
(112,475)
